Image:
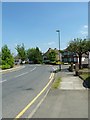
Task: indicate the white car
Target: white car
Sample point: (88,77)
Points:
(23,62)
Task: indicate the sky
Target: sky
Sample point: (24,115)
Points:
(35,23)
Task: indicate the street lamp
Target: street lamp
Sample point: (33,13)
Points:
(89,55)
(58,31)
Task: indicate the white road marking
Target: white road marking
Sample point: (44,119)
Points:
(18,75)
(54,68)
(21,74)
(2,81)
(25,73)
(36,65)
(38,105)
(33,69)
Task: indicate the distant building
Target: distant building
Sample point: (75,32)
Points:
(85,60)
(48,51)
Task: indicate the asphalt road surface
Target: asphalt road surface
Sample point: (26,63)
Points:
(21,86)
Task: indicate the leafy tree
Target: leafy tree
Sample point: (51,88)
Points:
(52,55)
(79,46)
(7,58)
(31,54)
(21,51)
(35,55)
(38,55)
(88,45)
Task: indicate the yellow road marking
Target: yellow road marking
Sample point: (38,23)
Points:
(28,106)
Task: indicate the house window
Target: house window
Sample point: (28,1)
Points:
(65,59)
(69,59)
(65,53)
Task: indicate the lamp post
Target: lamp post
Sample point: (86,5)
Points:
(89,60)
(58,31)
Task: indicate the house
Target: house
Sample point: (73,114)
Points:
(85,60)
(48,51)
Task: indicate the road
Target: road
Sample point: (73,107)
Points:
(21,86)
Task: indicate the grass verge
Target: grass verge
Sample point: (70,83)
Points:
(85,76)
(56,83)
(86,80)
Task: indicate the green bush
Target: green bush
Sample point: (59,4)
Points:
(10,62)
(5,66)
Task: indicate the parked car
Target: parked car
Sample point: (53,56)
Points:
(23,62)
(31,62)
(17,62)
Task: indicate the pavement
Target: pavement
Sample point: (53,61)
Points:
(70,81)
(70,100)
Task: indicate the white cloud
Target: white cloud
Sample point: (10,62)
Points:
(51,43)
(84,31)
(85,26)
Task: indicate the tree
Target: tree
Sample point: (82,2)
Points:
(21,52)
(88,46)
(0,58)
(7,57)
(31,54)
(35,55)
(38,55)
(79,46)
(52,55)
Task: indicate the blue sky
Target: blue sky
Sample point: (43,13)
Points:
(35,23)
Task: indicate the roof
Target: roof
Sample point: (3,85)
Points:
(49,50)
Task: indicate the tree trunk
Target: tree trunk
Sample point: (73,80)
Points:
(80,61)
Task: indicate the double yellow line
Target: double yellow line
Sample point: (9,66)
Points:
(28,106)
